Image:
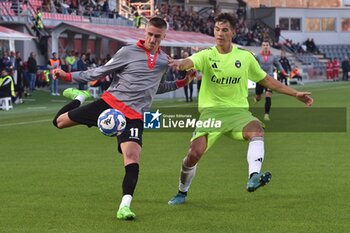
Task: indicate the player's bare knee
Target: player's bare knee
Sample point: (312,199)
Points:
(253,129)
(131,156)
(131,152)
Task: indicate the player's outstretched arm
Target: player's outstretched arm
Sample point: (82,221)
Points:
(180,64)
(166,86)
(275,85)
(59,74)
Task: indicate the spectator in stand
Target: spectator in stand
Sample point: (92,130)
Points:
(5,61)
(12,69)
(345,65)
(48,6)
(137,20)
(329,70)
(88,58)
(105,8)
(307,43)
(57,6)
(241,12)
(199,81)
(38,23)
(54,63)
(16,7)
(20,78)
(7,85)
(171,75)
(82,66)
(336,67)
(313,47)
(70,60)
(189,86)
(32,69)
(26,79)
(298,48)
(63,63)
(277,33)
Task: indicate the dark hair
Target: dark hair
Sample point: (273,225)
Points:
(226,18)
(266,40)
(158,22)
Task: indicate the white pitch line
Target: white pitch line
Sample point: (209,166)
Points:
(33,108)
(24,123)
(59,101)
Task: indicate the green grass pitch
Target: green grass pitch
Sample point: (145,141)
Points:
(70,180)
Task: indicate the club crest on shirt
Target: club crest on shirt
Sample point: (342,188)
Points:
(238,64)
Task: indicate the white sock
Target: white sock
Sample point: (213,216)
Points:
(186,176)
(126,201)
(255,155)
(81,98)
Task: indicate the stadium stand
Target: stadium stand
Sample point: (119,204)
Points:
(190,15)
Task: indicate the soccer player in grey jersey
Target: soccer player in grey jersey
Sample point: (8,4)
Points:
(138,73)
(267,62)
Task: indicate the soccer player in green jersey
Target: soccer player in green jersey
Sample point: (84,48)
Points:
(224,90)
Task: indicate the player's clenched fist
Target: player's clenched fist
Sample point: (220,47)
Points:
(58,74)
(190,75)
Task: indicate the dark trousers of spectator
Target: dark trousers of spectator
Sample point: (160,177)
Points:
(298,77)
(81,86)
(283,79)
(189,86)
(346,75)
(199,82)
(20,84)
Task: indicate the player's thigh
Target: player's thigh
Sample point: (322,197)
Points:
(132,133)
(89,113)
(211,138)
(238,129)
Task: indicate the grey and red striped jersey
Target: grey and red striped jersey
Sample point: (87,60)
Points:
(137,77)
(267,62)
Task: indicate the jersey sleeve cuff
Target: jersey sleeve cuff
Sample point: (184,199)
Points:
(68,77)
(180,83)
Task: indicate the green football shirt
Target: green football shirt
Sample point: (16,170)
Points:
(225,77)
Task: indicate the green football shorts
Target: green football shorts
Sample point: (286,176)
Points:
(232,124)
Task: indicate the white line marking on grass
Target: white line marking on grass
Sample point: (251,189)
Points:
(33,108)
(331,88)
(24,123)
(59,101)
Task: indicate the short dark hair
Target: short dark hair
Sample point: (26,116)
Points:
(266,40)
(158,22)
(226,18)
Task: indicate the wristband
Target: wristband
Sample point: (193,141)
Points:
(68,77)
(180,83)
